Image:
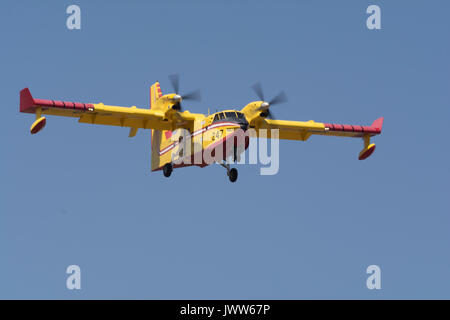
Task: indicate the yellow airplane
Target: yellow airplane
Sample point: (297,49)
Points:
(180,138)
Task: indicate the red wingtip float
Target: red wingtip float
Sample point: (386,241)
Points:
(38,125)
(207,131)
(369,148)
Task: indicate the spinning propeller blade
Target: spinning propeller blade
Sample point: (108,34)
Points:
(265,106)
(193,95)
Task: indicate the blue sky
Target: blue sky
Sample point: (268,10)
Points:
(84,195)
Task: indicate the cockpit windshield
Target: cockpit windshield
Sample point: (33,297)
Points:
(229,116)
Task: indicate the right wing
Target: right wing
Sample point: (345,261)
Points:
(302,130)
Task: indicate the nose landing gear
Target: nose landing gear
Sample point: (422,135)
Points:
(232,173)
(167,170)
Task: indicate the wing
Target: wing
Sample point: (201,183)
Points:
(99,113)
(302,130)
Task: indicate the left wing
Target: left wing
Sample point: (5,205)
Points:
(302,130)
(99,113)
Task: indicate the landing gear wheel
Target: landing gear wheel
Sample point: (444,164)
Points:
(167,169)
(233,174)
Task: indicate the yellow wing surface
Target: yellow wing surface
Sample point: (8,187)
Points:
(302,130)
(161,118)
(99,113)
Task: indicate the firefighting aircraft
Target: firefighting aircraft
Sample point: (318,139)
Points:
(166,115)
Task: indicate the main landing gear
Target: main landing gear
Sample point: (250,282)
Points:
(167,170)
(231,172)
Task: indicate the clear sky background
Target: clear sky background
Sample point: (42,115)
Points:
(82,194)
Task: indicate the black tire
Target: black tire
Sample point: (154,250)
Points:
(167,170)
(233,175)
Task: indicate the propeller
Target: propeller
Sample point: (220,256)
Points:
(279,98)
(193,95)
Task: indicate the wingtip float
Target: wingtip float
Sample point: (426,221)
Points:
(165,115)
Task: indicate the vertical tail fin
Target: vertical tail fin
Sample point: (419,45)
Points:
(160,138)
(155,94)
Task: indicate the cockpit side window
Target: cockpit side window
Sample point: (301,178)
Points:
(219,117)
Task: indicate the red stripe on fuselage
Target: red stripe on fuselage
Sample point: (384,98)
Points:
(222,142)
(214,126)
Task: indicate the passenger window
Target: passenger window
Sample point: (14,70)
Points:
(221,116)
